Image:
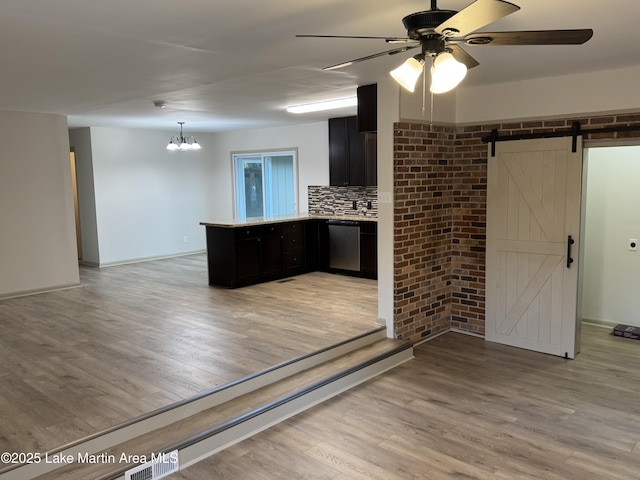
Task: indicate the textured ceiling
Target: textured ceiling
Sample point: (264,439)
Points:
(231,65)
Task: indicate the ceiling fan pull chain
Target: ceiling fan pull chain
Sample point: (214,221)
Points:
(424,88)
(431,120)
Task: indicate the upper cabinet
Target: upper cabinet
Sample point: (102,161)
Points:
(352,155)
(368,108)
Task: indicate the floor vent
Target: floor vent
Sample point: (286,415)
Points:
(286,280)
(160,466)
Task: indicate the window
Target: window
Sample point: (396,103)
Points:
(265,183)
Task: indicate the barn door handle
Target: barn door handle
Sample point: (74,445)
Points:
(570,241)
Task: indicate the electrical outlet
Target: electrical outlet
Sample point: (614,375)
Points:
(633,244)
(384,197)
(185,239)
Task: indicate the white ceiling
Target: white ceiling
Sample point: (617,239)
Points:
(227,65)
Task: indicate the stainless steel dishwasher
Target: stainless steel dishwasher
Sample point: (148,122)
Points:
(344,245)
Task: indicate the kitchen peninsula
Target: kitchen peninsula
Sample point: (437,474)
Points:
(253,250)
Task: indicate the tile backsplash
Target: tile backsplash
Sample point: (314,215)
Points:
(326,200)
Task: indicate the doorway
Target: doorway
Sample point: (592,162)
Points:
(76,208)
(611,228)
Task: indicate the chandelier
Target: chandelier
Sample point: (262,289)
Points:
(183,143)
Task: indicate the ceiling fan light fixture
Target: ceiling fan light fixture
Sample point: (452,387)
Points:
(408,73)
(446,73)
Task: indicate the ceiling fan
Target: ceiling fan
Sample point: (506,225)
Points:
(439,33)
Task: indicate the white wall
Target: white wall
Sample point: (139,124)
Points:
(444,107)
(611,275)
(388,114)
(311,140)
(552,97)
(37,242)
(147,199)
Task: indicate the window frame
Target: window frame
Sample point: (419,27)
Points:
(262,153)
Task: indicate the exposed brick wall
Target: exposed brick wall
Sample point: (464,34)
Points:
(440,217)
(422,229)
(468,214)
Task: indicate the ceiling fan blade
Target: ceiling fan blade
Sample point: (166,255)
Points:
(475,16)
(386,39)
(533,37)
(369,57)
(462,56)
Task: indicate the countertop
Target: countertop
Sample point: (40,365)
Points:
(285,218)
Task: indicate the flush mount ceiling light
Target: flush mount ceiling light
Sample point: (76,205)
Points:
(326,105)
(182,143)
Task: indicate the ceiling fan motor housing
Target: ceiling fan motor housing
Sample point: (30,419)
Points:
(424,23)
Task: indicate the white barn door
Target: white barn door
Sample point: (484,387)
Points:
(533,213)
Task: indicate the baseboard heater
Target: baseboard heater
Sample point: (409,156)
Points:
(627,331)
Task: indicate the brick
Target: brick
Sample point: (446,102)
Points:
(440,184)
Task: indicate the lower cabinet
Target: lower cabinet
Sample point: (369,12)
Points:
(239,256)
(369,249)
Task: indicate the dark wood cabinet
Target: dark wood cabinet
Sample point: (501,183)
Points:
(368,108)
(339,152)
(271,250)
(369,249)
(371,159)
(352,155)
(293,246)
(248,253)
(239,256)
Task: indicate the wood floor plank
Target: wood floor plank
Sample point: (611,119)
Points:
(469,409)
(138,337)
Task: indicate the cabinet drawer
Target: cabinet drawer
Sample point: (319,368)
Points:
(292,227)
(243,233)
(271,230)
(293,260)
(293,242)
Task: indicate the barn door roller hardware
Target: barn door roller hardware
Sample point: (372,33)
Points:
(575,131)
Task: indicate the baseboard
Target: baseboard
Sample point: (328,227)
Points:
(145,259)
(452,330)
(433,337)
(36,291)
(466,332)
(599,323)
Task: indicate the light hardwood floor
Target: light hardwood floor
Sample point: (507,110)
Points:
(463,409)
(138,337)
